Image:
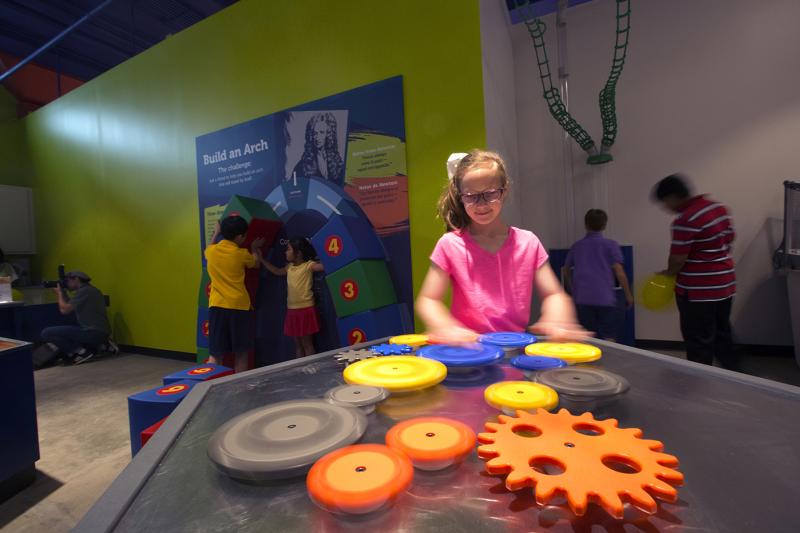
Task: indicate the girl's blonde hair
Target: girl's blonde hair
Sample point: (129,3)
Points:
(451,208)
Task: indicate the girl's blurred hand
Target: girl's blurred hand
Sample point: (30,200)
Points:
(560,331)
(453,335)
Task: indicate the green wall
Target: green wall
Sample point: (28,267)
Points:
(14,164)
(114,160)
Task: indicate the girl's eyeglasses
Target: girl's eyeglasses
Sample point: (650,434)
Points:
(490,196)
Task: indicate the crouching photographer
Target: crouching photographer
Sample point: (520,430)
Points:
(79,343)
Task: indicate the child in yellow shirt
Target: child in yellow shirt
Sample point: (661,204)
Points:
(301,314)
(230,316)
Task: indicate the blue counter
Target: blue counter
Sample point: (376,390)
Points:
(19,435)
(25,321)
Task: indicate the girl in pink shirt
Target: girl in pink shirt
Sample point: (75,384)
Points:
(491,266)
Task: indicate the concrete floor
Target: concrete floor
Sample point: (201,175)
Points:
(84,436)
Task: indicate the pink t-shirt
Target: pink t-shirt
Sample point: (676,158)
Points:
(491,291)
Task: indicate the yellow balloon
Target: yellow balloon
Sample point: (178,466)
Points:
(658,292)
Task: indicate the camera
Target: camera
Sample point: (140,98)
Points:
(62,279)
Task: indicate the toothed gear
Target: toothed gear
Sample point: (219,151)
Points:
(391,349)
(640,473)
(353,356)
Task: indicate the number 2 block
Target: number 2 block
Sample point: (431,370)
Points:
(374,324)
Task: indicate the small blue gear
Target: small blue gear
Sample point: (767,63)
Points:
(391,349)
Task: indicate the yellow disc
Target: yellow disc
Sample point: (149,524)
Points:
(571,352)
(524,395)
(412,340)
(396,373)
(403,406)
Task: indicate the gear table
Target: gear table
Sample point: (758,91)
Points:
(734,437)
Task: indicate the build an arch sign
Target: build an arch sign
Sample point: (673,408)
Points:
(332,171)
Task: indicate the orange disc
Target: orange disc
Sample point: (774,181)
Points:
(432,443)
(359,479)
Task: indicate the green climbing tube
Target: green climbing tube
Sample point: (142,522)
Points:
(607,97)
(555,104)
(608,108)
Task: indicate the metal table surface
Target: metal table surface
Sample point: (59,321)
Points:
(736,437)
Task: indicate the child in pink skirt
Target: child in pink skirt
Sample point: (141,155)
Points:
(301,314)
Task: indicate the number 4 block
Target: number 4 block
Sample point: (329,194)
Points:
(342,240)
(360,286)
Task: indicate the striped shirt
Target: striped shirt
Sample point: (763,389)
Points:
(704,233)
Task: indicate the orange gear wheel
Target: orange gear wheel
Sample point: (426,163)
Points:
(359,479)
(432,443)
(582,458)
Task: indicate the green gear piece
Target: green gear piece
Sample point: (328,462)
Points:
(607,97)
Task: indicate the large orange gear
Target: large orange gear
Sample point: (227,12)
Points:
(584,459)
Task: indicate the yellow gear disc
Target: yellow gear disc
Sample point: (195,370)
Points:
(396,373)
(571,352)
(508,396)
(414,340)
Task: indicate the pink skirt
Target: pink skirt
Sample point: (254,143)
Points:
(301,322)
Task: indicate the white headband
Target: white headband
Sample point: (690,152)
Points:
(452,163)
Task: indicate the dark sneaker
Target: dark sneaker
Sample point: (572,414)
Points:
(82,358)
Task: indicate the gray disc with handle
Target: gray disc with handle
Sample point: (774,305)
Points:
(361,396)
(284,439)
(582,382)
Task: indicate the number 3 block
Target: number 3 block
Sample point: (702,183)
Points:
(360,286)
(343,240)
(374,324)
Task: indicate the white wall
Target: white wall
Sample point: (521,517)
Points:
(711,88)
(498,90)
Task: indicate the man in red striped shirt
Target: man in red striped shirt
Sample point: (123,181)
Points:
(700,257)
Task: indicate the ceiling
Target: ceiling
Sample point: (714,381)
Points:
(528,9)
(124,28)
(120,30)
